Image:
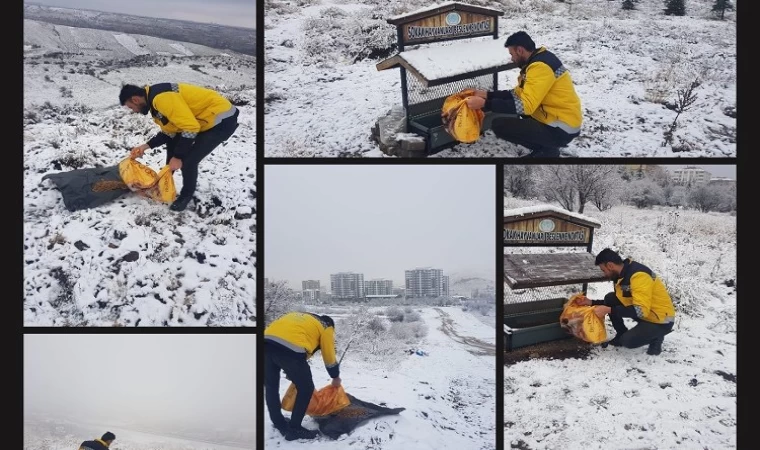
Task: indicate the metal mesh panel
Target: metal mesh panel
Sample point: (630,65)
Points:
(418,93)
(527,295)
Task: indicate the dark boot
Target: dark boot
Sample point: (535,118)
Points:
(300,433)
(655,347)
(615,342)
(283,427)
(181,202)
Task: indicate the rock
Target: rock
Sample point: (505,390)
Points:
(81,245)
(131,256)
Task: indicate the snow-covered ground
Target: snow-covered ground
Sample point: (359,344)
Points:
(628,67)
(133,261)
(126,439)
(624,398)
(448,394)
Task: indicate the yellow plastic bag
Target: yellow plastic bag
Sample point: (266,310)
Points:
(581,322)
(323,402)
(145,181)
(461,122)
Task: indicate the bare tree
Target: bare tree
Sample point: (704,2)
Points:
(685,99)
(708,197)
(519,180)
(571,184)
(555,185)
(644,193)
(279,299)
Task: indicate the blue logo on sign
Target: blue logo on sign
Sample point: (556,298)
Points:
(453,19)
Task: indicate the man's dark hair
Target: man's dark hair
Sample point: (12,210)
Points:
(108,436)
(328,320)
(130,90)
(608,255)
(521,39)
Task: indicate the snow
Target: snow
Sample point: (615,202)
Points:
(518,212)
(627,66)
(454,59)
(436,6)
(624,398)
(451,408)
(182,49)
(193,268)
(130,44)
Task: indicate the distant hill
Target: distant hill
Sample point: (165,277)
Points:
(237,39)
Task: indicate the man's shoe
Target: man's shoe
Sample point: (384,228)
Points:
(615,342)
(655,347)
(300,433)
(283,427)
(181,203)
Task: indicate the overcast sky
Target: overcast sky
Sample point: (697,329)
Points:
(377,220)
(719,171)
(124,377)
(239,13)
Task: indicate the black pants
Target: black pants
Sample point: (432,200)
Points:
(296,368)
(545,141)
(204,143)
(643,333)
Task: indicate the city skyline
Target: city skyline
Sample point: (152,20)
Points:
(378,221)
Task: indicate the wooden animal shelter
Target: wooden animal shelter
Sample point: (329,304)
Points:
(431,72)
(547,258)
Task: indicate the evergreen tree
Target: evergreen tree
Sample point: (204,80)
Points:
(628,5)
(721,6)
(675,7)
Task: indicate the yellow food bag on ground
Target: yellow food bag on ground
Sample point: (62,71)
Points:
(461,122)
(323,402)
(581,322)
(145,181)
(163,190)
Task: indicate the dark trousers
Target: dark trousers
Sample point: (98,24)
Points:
(298,371)
(643,333)
(204,143)
(545,141)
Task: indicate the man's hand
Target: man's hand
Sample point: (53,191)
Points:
(481,94)
(582,301)
(475,102)
(137,152)
(175,164)
(335,382)
(601,311)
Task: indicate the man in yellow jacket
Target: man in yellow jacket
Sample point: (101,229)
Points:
(99,444)
(544,112)
(289,342)
(193,121)
(640,295)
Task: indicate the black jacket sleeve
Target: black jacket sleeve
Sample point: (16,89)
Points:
(501,102)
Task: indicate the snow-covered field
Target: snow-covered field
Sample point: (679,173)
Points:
(35,439)
(448,394)
(323,96)
(133,261)
(623,398)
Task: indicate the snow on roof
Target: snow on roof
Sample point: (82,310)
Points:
(436,6)
(517,212)
(454,59)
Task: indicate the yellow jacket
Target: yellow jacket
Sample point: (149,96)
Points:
(306,333)
(185,109)
(643,294)
(544,92)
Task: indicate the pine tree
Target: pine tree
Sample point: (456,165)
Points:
(721,6)
(628,5)
(675,7)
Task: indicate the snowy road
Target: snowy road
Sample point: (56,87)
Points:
(449,395)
